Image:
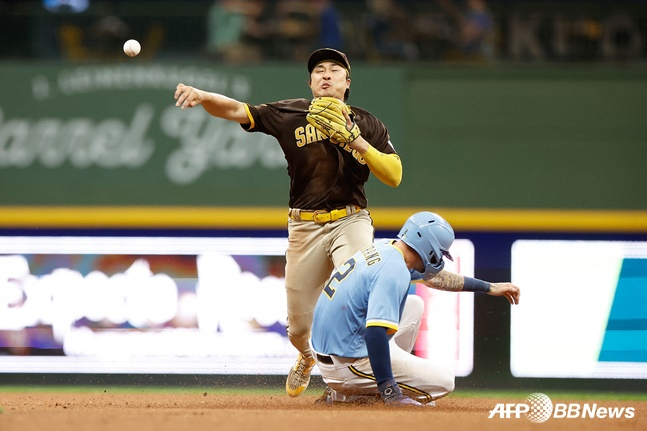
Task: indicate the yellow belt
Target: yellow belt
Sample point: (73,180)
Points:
(323,217)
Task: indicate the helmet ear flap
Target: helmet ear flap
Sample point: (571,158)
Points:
(434,259)
(433,267)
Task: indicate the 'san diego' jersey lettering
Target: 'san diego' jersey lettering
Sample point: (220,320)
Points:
(323,175)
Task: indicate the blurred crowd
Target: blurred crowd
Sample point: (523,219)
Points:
(252,31)
(379,29)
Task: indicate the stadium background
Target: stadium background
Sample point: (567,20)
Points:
(536,141)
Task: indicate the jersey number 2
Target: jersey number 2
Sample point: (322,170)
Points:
(338,277)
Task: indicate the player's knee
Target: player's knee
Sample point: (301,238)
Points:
(415,306)
(444,382)
(443,389)
(448,381)
(450,384)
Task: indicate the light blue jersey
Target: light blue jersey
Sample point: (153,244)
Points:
(369,289)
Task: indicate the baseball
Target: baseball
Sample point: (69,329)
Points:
(132,48)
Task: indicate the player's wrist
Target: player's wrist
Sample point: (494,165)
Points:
(475,285)
(360,145)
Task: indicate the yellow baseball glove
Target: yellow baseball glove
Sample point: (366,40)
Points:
(328,115)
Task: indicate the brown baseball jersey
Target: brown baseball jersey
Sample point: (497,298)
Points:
(323,175)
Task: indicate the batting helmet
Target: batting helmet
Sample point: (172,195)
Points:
(430,236)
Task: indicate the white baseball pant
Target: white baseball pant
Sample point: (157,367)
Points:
(419,378)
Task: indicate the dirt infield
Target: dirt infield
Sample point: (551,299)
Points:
(50,411)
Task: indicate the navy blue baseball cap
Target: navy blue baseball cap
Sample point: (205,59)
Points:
(328,54)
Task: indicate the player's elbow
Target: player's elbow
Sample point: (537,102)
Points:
(393,175)
(395,180)
(389,180)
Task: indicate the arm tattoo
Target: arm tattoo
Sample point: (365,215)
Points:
(447,281)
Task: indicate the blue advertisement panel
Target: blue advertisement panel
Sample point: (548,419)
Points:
(589,304)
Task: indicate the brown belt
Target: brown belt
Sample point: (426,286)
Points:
(323,217)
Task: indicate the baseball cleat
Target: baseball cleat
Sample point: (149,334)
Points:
(299,376)
(326,398)
(330,397)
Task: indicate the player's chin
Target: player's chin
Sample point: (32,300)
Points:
(326,93)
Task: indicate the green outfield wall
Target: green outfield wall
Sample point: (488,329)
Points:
(111,134)
(528,137)
(502,139)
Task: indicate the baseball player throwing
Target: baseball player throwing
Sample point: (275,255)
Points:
(331,148)
(366,301)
